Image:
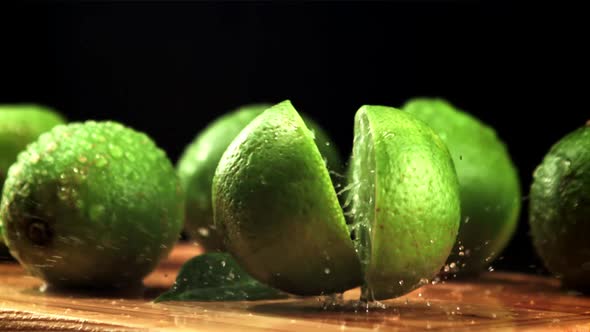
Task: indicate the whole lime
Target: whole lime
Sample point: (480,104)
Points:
(197,164)
(92,204)
(275,205)
(560,209)
(405,201)
(489,183)
(21,124)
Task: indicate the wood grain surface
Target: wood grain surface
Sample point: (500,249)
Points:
(500,301)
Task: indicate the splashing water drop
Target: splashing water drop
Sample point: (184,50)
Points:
(204,232)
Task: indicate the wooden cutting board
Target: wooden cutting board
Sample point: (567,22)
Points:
(504,301)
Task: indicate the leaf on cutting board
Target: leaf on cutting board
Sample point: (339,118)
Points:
(217,277)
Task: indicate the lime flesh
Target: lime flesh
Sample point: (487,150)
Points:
(404,201)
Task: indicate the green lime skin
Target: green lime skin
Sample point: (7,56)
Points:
(92,204)
(275,205)
(405,201)
(489,184)
(21,124)
(559,210)
(198,162)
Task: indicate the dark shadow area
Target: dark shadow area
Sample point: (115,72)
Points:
(169,68)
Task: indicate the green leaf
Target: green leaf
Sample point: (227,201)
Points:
(217,277)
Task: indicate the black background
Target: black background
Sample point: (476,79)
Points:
(170,68)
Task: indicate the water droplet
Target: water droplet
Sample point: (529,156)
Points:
(401,282)
(98,137)
(62,193)
(203,231)
(100,161)
(115,151)
(35,157)
(51,147)
(129,156)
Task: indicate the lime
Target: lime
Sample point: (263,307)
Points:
(197,164)
(279,214)
(489,183)
(405,201)
(94,205)
(21,124)
(560,209)
(276,207)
